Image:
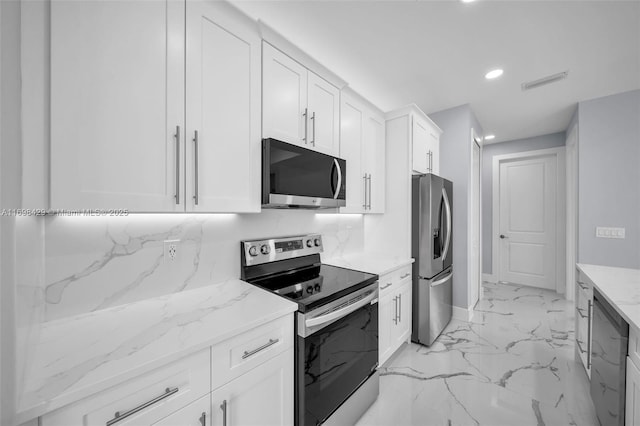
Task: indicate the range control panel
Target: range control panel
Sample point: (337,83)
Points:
(256,252)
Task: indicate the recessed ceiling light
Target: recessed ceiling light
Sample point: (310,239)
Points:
(468,1)
(493,74)
(489,137)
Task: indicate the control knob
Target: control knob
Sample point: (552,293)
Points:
(310,289)
(264,249)
(253,251)
(317,242)
(309,243)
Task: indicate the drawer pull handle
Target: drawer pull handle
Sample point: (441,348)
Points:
(405,276)
(271,342)
(121,416)
(583,285)
(580,346)
(387,286)
(581,314)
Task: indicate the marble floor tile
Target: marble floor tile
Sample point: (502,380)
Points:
(513,364)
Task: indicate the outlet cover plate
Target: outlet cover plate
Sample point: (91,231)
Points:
(604,232)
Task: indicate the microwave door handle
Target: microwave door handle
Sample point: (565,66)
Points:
(339,185)
(447,207)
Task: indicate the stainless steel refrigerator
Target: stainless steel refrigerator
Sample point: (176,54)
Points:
(431,232)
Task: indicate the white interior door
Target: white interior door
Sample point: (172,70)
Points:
(474,256)
(527,221)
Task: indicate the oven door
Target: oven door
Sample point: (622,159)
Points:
(335,357)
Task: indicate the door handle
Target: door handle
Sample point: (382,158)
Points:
(177,137)
(313,128)
(395,310)
(441,281)
(304,114)
(502,236)
(223,407)
(339,185)
(364,179)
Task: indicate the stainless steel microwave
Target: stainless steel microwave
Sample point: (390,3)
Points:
(296,177)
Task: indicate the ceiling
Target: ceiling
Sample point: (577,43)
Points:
(435,53)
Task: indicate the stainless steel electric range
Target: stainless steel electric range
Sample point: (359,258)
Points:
(336,347)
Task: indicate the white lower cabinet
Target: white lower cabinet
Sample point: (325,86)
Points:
(632,403)
(263,396)
(584,309)
(198,413)
(394,318)
(143,400)
(244,380)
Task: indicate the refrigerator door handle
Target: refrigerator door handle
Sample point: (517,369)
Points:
(441,281)
(447,207)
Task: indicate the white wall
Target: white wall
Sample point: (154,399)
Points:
(609,178)
(489,151)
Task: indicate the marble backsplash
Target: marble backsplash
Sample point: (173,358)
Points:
(92,263)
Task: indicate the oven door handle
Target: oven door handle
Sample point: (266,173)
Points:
(338,313)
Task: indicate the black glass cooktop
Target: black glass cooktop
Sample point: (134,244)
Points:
(315,285)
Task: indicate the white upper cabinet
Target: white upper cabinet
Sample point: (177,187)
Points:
(299,107)
(284,97)
(117,104)
(362,144)
(123,129)
(420,145)
(222,110)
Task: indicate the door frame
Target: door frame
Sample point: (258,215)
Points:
(559,154)
(475,139)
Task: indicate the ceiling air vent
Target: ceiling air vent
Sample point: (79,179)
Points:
(545,80)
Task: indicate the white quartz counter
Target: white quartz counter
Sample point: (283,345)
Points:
(620,287)
(373,263)
(84,354)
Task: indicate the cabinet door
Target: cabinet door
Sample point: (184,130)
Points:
(323,115)
(434,147)
(373,152)
(222,109)
(198,413)
(263,396)
(632,403)
(420,146)
(403,330)
(351,121)
(117,100)
(387,310)
(284,97)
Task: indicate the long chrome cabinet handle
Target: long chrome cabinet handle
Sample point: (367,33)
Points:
(203,419)
(271,342)
(589,313)
(313,128)
(395,310)
(121,416)
(369,205)
(304,114)
(223,407)
(400,308)
(195,172)
(364,178)
(177,136)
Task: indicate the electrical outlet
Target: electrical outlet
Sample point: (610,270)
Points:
(171,250)
(602,232)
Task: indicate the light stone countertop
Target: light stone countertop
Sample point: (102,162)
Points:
(81,355)
(374,263)
(620,287)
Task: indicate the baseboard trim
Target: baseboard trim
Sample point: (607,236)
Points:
(462,314)
(489,277)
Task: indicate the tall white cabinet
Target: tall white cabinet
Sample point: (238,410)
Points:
(362,144)
(123,128)
(299,107)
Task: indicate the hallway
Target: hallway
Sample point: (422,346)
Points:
(513,364)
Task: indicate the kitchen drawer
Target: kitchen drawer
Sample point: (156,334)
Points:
(584,284)
(392,279)
(148,398)
(634,346)
(237,355)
